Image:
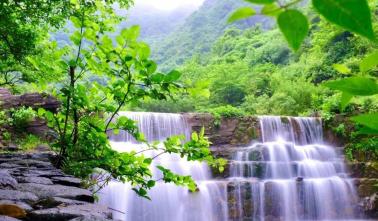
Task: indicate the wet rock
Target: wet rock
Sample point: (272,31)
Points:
(39,180)
(370,206)
(366,187)
(67,181)
(7,218)
(364,169)
(11,147)
(34,163)
(12,210)
(6,180)
(42,148)
(96,212)
(40,173)
(17,195)
(56,202)
(20,204)
(45,191)
(90,218)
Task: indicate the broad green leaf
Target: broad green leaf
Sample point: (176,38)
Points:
(271,10)
(345,98)
(368,120)
(172,76)
(341,68)
(369,62)
(361,86)
(353,15)
(241,13)
(294,26)
(367,131)
(261,1)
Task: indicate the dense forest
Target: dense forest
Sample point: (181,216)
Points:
(228,58)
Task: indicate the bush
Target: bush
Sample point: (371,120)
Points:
(21,117)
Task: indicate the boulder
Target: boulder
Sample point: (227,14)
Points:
(17,195)
(45,191)
(12,210)
(94,211)
(20,204)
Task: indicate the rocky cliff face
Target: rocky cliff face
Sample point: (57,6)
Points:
(225,131)
(34,100)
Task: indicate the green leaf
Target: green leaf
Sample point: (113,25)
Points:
(263,2)
(172,76)
(147,161)
(241,13)
(367,131)
(368,120)
(345,98)
(361,86)
(294,26)
(369,62)
(271,10)
(151,183)
(353,15)
(341,68)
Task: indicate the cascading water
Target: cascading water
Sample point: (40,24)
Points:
(290,176)
(169,202)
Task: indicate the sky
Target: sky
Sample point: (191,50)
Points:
(168,5)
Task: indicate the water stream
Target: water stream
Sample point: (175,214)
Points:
(291,175)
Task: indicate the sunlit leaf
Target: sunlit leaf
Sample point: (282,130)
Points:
(369,62)
(242,13)
(294,26)
(271,10)
(353,15)
(368,120)
(341,68)
(260,1)
(345,98)
(361,86)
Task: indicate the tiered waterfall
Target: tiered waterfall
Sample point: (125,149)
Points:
(290,175)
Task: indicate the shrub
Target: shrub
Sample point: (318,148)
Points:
(21,117)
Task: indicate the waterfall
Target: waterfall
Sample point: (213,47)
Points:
(290,176)
(168,202)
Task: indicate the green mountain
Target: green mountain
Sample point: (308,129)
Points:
(198,32)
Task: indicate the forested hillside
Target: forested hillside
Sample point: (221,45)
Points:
(199,32)
(254,70)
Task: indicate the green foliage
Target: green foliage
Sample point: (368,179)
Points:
(226,111)
(21,117)
(29,142)
(89,107)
